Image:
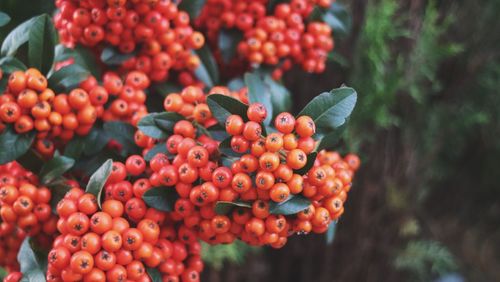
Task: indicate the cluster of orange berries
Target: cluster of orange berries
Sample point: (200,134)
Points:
(115,245)
(24,205)
(10,243)
(124,98)
(278,39)
(191,103)
(28,104)
(156,30)
(266,172)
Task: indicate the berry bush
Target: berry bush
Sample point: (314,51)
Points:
(123,147)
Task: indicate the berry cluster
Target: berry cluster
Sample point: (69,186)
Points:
(28,104)
(278,39)
(266,172)
(124,99)
(156,30)
(10,243)
(24,205)
(106,245)
(191,103)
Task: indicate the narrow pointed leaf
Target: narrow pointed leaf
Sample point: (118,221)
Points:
(54,168)
(294,204)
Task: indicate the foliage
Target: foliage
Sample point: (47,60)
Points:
(421,256)
(216,256)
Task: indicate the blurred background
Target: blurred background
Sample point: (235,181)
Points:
(425,204)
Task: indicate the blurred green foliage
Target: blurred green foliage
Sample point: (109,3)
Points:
(217,255)
(421,256)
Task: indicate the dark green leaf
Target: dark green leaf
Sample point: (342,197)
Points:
(161,198)
(98,179)
(58,190)
(293,205)
(31,161)
(281,99)
(330,234)
(208,71)
(258,93)
(41,43)
(154,274)
(236,84)
(112,57)
(224,207)
(82,56)
(158,125)
(218,132)
(32,264)
(14,145)
(330,140)
(75,147)
(158,148)
(339,19)
(228,43)
(331,110)
(55,168)
(192,7)
(67,78)
(123,133)
(95,141)
(225,148)
(223,106)
(310,162)
(16,38)
(4,19)
(11,64)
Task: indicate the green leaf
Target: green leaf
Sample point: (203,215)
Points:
(98,179)
(11,64)
(54,168)
(31,161)
(311,158)
(293,205)
(154,274)
(123,133)
(228,43)
(258,93)
(14,145)
(223,106)
(82,56)
(236,84)
(281,99)
(58,190)
(158,148)
(339,19)
(224,207)
(67,78)
(158,125)
(192,7)
(331,110)
(165,88)
(207,72)
(32,264)
(330,233)
(330,140)
(4,19)
(89,145)
(41,43)
(112,57)
(16,38)
(161,198)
